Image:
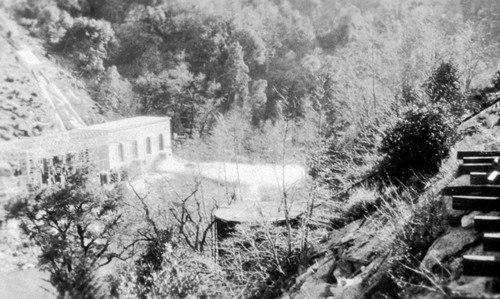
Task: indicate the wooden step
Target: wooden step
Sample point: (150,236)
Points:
(481,178)
(481,265)
(477,203)
(476,167)
(463,154)
(485,223)
(491,242)
(486,190)
(476,160)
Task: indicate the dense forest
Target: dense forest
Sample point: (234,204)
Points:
(335,69)
(351,87)
(194,60)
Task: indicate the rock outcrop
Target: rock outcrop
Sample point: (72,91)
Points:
(356,264)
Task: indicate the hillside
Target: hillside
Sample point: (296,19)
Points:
(315,137)
(365,257)
(37,94)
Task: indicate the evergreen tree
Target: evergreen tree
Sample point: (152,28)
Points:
(443,87)
(236,79)
(116,92)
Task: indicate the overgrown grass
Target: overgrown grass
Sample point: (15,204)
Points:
(259,261)
(410,221)
(413,237)
(361,203)
(255,262)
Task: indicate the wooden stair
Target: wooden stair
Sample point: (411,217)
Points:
(481,178)
(481,265)
(479,203)
(479,190)
(476,160)
(487,223)
(481,195)
(491,242)
(465,154)
(476,167)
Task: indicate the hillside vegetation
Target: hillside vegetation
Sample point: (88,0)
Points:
(25,109)
(370,95)
(321,64)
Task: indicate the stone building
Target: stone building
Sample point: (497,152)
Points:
(117,150)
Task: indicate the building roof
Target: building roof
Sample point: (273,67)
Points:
(127,123)
(74,140)
(52,144)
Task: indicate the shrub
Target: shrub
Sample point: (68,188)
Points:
(151,260)
(417,144)
(52,24)
(115,93)
(412,243)
(31,9)
(443,84)
(362,202)
(443,87)
(344,159)
(44,19)
(179,276)
(89,43)
(259,260)
(183,274)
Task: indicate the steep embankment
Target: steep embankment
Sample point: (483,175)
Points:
(358,260)
(36,95)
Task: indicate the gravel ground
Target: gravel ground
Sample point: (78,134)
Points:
(257,181)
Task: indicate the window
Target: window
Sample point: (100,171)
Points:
(135,149)
(104,178)
(148,145)
(161,142)
(120,152)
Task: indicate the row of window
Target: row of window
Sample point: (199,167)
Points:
(135,147)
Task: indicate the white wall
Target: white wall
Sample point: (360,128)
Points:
(140,134)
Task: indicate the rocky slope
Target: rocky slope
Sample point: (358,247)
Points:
(354,261)
(31,83)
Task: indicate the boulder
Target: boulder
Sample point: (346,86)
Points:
(344,269)
(313,288)
(475,288)
(348,289)
(325,271)
(449,244)
(467,221)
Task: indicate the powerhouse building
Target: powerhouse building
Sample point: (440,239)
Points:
(117,149)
